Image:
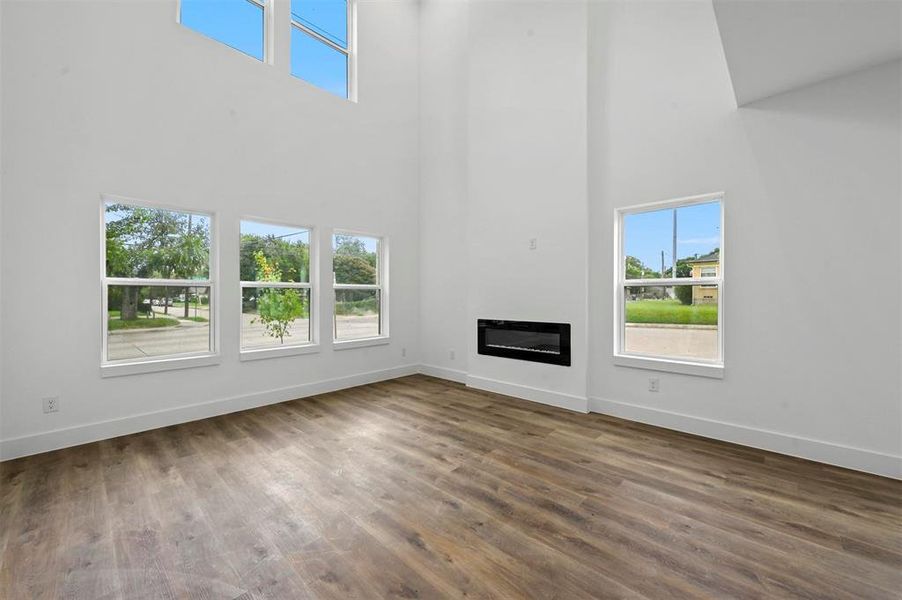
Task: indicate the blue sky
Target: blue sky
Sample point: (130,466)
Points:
(293,235)
(239,24)
(646,234)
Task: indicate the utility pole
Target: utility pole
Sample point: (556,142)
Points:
(188,275)
(674,255)
(662,263)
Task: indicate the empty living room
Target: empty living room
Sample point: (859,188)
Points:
(428,299)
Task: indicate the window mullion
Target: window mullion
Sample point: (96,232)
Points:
(319,37)
(276,284)
(137,281)
(671,282)
(356,286)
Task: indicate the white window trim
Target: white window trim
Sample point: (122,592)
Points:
(310,347)
(382,285)
(697,367)
(350,52)
(266,6)
(168,362)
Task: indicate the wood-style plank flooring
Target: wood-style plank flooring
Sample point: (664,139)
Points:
(420,488)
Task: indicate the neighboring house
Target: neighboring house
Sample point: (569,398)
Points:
(705,266)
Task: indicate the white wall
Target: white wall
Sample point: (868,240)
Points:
(527,179)
(812,184)
(503,159)
(117,97)
(444,283)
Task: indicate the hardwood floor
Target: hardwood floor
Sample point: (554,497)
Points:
(420,488)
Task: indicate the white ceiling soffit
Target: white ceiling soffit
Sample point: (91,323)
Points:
(773,46)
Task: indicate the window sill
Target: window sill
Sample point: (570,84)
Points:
(361,343)
(264,353)
(153,366)
(713,371)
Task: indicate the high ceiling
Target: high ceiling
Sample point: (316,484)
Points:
(773,46)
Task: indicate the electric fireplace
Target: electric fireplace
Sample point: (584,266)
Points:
(525,340)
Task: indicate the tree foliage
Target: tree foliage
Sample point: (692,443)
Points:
(352,262)
(683,294)
(353,269)
(152,243)
(292,258)
(636,269)
(277,308)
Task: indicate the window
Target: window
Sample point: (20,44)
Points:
(358,276)
(276,289)
(157,285)
(320,49)
(669,290)
(236,23)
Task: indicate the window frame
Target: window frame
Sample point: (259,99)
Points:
(131,366)
(381,285)
(309,347)
(350,53)
(699,367)
(265,6)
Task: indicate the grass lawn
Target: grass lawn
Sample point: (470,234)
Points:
(195,319)
(670,311)
(116,323)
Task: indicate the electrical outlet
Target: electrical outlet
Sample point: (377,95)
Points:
(654,384)
(51,404)
(533,243)
(451,354)
(403,351)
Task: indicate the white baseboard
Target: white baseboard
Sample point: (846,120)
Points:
(444,373)
(826,452)
(849,457)
(558,399)
(81,434)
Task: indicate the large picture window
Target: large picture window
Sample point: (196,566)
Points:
(157,285)
(236,23)
(276,288)
(321,51)
(669,288)
(358,264)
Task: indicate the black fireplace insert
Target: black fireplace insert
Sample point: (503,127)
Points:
(525,340)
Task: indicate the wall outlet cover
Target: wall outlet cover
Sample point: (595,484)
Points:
(51,404)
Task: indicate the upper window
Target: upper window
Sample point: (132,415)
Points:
(670,280)
(157,284)
(236,23)
(357,264)
(320,49)
(276,292)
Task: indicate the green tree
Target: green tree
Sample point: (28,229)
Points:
(292,258)
(277,307)
(636,269)
(153,243)
(683,293)
(349,245)
(353,269)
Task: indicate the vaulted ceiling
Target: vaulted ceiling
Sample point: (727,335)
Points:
(774,46)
